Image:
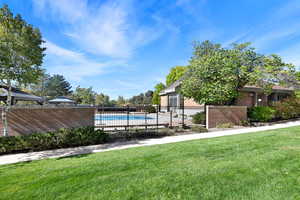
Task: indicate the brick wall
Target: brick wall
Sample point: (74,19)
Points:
(29,120)
(191,103)
(216,115)
(246,99)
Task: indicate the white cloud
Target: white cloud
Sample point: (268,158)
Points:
(64,10)
(74,65)
(291,54)
(109,29)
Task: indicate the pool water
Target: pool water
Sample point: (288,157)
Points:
(121,117)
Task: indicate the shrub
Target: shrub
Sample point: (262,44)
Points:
(245,123)
(199,129)
(261,113)
(288,108)
(150,109)
(225,125)
(140,133)
(199,118)
(62,138)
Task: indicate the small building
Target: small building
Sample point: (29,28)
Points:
(62,100)
(250,96)
(18,95)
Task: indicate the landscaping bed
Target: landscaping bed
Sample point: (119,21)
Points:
(65,138)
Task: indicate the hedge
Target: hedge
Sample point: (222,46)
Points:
(288,108)
(199,118)
(62,138)
(261,113)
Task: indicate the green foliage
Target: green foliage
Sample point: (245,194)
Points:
(261,113)
(56,86)
(84,95)
(175,74)
(245,123)
(215,74)
(150,109)
(102,99)
(199,118)
(20,49)
(52,140)
(288,108)
(140,133)
(199,129)
(142,98)
(121,101)
(225,125)
(156,98)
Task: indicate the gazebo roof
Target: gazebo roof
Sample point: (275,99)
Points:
(17,94)
(61,99)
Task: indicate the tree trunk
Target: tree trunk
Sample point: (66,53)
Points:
(6,110)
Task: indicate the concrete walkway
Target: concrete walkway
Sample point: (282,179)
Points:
(22,157)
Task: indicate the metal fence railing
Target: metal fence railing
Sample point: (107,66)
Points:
(116,118)
(142,117)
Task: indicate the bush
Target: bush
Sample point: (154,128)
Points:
(225,125)
(140,134)
(150,109)
(199,118)
(288,108)
(261,113)
(199,129)
(62,138)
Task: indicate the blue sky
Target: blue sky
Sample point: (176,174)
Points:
(125,47)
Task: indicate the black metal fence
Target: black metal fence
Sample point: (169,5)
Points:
(141,117)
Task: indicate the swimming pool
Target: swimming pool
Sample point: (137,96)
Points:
(121,117)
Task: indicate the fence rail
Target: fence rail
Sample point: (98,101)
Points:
(124,118)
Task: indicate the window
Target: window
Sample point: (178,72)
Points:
(173,100)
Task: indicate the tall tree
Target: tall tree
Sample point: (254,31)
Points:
(84,95)
(148,97)
(138,99)
(121,101)
(215,74)
(57,85)
(175,74)
(102,99)
(39,88)
(156,98)
(21,54)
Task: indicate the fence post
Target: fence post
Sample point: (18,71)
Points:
(145,117)
(157,116)
(127,117)
(183,116)
(171,125)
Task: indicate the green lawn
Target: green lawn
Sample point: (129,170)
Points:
(263,165)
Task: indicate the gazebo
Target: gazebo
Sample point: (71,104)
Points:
(62,100)
(18,95)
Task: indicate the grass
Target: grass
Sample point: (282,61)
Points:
(263,165)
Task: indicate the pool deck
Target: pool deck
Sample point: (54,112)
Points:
(26,157)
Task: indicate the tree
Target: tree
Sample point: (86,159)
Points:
(138,99)
(175,74)
(84,95)
(102,99)
(57,85)
(39,87)
(156,98)
(215,74)
(148,97)
(121,101)
(21,54)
